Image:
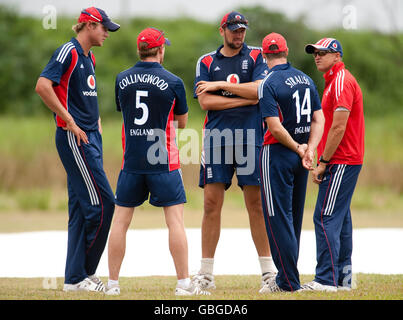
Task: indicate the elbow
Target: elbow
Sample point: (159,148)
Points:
(182,125)
(204,106)
(275,132)
(204,102)
(339,129)
(40,87)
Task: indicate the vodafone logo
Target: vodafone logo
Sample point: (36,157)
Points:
(233,78)
(91,81)
(238,17)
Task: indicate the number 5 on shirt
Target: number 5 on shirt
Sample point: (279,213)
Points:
(141,105)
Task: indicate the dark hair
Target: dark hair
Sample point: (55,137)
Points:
(271,56)
(144,52)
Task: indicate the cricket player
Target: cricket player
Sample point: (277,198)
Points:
(68,87)
(341,155)
(151,99)
(292,112)
(226,86)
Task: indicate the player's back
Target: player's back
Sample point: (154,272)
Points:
(149,96)
(295,97)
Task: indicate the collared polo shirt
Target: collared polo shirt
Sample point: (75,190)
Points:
(149,97)
(73,76)
(247,66)
(342,90)
(291,95)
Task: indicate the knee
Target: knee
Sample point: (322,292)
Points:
(212,206)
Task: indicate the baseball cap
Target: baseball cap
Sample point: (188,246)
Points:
(153,37)
(234,20)
(330,44)
(274,38)
(98,15)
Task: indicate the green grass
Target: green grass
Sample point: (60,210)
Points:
(368,287)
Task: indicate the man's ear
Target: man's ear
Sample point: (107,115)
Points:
(222,30)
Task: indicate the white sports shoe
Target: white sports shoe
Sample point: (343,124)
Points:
(96,280)
(112,290)
(204,281)
(268,278)
(271,286)
(316,286)
(192,290)
(86,285)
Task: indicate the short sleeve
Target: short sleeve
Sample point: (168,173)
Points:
(202,71)
(58,63)
(261,69)
(267,100)
(344,92)
(181,106)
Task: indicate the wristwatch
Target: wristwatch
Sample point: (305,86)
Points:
(323,160)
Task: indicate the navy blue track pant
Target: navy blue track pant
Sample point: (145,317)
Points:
(333,225)
(91,203)
(283,189)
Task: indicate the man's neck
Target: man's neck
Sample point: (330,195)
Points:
(152,59)
(84,42)
(275,62)
(227,51)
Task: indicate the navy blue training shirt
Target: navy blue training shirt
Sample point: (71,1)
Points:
(291,95)
(247,66)
(149,96)
(73,75)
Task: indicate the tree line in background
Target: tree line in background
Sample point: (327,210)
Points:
(374,58)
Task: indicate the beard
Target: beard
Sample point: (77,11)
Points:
(232,45)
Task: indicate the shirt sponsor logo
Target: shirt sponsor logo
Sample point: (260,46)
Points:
(91,81)
(233,78)
(91,93)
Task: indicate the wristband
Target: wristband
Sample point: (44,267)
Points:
(323,160)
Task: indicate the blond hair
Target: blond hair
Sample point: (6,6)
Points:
(80,26)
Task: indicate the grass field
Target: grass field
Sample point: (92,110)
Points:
(368,287)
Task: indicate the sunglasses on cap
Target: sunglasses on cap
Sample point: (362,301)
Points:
(322,53)
(234,21)
(91,15)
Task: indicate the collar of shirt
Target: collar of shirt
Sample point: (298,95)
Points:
(283,66)
(147,64)
(77,45)
(241,52)
(333,71)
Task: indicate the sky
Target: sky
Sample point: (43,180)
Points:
(381,15)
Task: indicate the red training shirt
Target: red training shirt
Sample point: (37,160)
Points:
(342,90)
